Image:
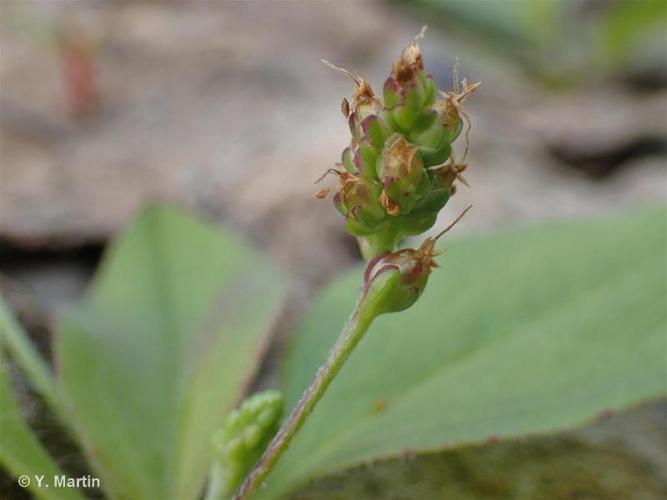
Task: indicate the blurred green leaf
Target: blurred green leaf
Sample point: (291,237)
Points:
(161,349)
(523,31)
(627,24)
(556,41)
(526,331)
(26,356)
(20,451)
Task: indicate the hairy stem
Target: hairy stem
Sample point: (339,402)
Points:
(369,305)
(375,244)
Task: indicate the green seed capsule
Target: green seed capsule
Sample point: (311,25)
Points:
(358,200)
(402,174)
(450,119)
(426,120)
(403,275)
(414,224)
(365,160)
(347,159)
(375,130)
(390,92)
(432,203)
(428,89)
(407,113)
(405,272)
(434,147)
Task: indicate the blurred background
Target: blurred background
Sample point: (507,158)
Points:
(225,107)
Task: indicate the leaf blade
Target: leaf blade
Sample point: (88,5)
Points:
(161,349)
(22,453)
(25,354)
(594,272)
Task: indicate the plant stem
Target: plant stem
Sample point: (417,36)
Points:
(368,307)
(374,244)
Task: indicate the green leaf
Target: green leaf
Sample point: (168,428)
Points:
(161,349)
(26,356)
(20,451)
(626,25)
(546,468)
(523,332)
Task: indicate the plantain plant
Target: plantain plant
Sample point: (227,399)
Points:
(398,172)
(523,331)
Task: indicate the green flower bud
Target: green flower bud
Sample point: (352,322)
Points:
(403,176)
(358,200)
(434,146)
(375,130)
(417,223)
(242,440)
(365,104)
(347,160)
(445,176)
(365,160)
(450,119)
(408,92)
(405,273)
(431,204)
(449,109)
(391,94)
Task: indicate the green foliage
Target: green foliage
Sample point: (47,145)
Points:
(626,25)
(20,451)
(26,355)
(560,42)
(521,332)
(545,467)
(160,349)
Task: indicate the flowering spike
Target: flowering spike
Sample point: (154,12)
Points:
(395,182)
(242,440)
(400,158)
